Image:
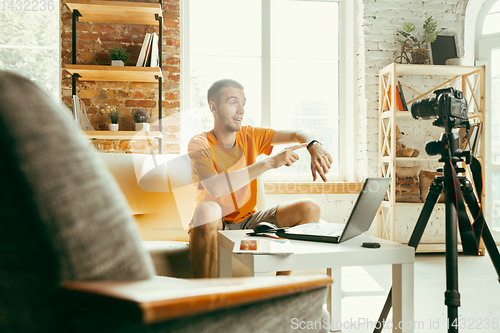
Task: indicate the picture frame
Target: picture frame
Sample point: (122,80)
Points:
(443,48)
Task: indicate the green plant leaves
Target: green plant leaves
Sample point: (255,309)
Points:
(429,27)
(408,26)
(430,37)
(118,53)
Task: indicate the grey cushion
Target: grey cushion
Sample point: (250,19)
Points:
(170,258)
(62,216)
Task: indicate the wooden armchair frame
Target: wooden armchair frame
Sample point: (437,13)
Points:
(162,299)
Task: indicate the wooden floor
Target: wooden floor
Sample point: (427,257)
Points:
(478,286)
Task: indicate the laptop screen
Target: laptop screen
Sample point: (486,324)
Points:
(366,207)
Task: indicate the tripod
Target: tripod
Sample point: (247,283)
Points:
(454,188)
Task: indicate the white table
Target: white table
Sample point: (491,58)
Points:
(315,255)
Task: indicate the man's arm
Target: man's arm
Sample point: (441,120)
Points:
(218,185)
(321,160)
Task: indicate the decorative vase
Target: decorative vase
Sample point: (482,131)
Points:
(420,56)
(142,127)
(113,127)
(117,63)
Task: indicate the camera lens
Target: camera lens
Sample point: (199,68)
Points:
(424,109)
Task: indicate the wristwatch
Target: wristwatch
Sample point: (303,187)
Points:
(311,143)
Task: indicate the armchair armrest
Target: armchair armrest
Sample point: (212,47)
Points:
(162,298)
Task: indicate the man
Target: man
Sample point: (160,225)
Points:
(225,170)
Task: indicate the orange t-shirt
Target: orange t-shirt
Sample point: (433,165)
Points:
(208,156)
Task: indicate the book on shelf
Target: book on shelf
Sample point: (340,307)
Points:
(154,51)
(142,54)
(147,60)
(80,114)
(399,103)
(149,56)
(402,96)
(471,140)
(476,139)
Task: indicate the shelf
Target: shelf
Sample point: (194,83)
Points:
(418,158)
(387,204)
(407,114)
(474,115)
(435,248)
(438,70)
(404,114)
(388,159)
(124,135)
(399,114)
(418,204)
(116,11)
(115,73)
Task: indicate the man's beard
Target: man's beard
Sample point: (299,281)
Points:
(230,126)
(233,128)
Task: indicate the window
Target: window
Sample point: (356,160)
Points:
(489,51)
(29,41)
(491,20)
(285,53)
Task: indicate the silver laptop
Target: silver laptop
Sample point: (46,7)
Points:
(360,220)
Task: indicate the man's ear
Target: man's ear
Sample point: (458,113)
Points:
(211,105)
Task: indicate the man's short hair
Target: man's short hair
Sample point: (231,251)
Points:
(215,89)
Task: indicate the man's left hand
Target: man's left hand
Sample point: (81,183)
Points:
(321,161)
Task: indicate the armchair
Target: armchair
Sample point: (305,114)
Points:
(71,259)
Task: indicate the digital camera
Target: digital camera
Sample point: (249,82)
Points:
(449,107)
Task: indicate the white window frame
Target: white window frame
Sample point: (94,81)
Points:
(58,93)
(483,45)
(347,78)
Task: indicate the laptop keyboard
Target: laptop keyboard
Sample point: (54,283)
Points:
(320,229)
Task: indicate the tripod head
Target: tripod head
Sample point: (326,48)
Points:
(448,146)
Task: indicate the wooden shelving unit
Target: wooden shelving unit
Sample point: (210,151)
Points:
(472,85)
(115,73)
(118,12)
(121,12)
(133,135)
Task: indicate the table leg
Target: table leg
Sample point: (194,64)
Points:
(224,261)
(402,298)
(334,298)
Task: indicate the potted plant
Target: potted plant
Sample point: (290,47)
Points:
(114,115)
(414,45)
(141,118)
(118,56)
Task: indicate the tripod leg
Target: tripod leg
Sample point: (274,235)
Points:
(432,197)
(434,191)
(489,242)
(451,296)
(475,210)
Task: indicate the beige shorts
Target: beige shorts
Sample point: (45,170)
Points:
(268,215)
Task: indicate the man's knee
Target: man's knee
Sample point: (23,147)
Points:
(310,210)
(207,216)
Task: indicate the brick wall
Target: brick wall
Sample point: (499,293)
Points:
(378,22)
(94,40)
(377,25)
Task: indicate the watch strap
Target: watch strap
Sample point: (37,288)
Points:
(311,143)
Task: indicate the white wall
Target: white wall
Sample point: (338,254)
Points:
(377,32)
(378,22)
